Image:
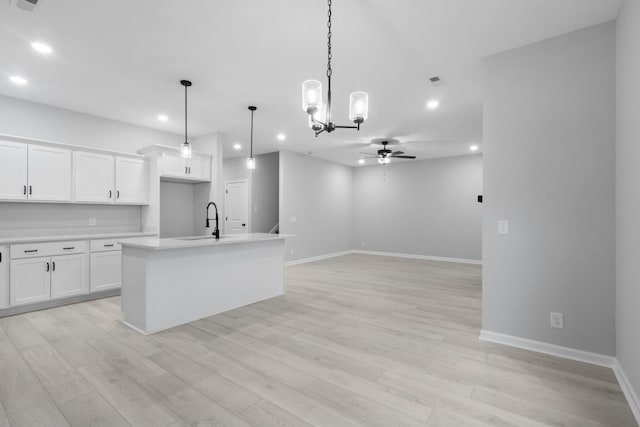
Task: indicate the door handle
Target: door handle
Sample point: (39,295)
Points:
(47,266)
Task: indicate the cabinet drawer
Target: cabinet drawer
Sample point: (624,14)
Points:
(102,245)
(31,250)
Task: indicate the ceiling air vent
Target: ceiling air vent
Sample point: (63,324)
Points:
(435,80)
(27,5)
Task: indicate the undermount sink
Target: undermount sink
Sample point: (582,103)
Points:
(202,238)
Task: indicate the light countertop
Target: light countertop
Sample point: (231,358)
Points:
(199,241)
(35,239)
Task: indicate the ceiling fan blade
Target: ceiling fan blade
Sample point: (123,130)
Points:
(370,154)
(396,153)
(404,157)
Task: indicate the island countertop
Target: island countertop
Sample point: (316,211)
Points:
(154,243)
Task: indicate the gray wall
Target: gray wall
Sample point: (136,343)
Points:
(177,201)
(39,121)
(263,188)
(319,195)
(549,131)
(424,207)
(628,192)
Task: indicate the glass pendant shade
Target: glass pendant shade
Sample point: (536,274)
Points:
(251,163)
(358,107)
(317,119)
(311,96)
(384,160)
(185,150)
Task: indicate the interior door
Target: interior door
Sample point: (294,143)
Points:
(236,207)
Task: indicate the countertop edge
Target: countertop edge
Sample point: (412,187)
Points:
(179,243)
(38,239)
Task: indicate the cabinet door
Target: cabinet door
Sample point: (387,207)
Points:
(30,280)
(94,177)
(106,270)
(4,277)
(173,165)
(68,275)
(131,181)
(49,173)
(199,168)
(13,171)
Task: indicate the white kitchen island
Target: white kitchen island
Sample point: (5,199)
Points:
(169,282)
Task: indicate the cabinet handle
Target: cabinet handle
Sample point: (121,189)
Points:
(54,266)
(108,246)
(185,170)
(117,194)
(189,170)
(30,190)
(24,190)
(30,251)
(110,193)
(69,248)
(47,266)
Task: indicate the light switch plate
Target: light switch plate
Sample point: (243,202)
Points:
(92,221)
(503,226)
(557,320)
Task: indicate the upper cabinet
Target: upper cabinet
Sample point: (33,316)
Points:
(131,181)
(102,178)
(94,177)
(197,168)
(34,172)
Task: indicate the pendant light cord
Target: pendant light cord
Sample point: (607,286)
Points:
(251,155)
(185,113)
(329,69)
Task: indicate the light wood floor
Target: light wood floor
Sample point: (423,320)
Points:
(357,341)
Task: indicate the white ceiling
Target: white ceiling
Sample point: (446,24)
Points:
(123,60)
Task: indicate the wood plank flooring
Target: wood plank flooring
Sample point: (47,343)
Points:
(356,341)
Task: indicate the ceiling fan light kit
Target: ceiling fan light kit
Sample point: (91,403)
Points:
(320,112)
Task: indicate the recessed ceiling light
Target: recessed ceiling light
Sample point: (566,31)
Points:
(281,137)
(237,146)
(41,48)
(18,80)
(473,148)
(163,118)
(361,161)
(433,104)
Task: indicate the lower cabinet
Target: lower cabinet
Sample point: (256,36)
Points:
(4,277)
(106,270)
(40,279)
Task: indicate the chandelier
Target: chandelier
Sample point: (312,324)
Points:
(319,112)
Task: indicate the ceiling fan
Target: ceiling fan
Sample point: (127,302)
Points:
(385,155)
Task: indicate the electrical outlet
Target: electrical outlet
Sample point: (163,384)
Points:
(294,219)
(92,221)
(557,320)
(503,226)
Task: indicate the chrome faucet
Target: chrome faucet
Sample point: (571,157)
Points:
(216,232)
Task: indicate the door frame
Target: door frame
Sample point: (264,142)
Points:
(224,213)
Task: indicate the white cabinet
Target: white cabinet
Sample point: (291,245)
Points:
(68,275)
(197,168)
(131,181)
(13,171)
(106,270)
(94,177)
(49,173)
(47,270)
(30,280)
(33,172)
(4,277)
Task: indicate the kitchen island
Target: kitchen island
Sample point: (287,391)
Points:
(169,282)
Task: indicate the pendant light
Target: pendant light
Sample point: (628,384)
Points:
(251,161)
(185,148)
(320,112)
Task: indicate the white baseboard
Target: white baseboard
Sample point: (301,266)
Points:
(414,256)
(550,349)
(316,258)
(628,390)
